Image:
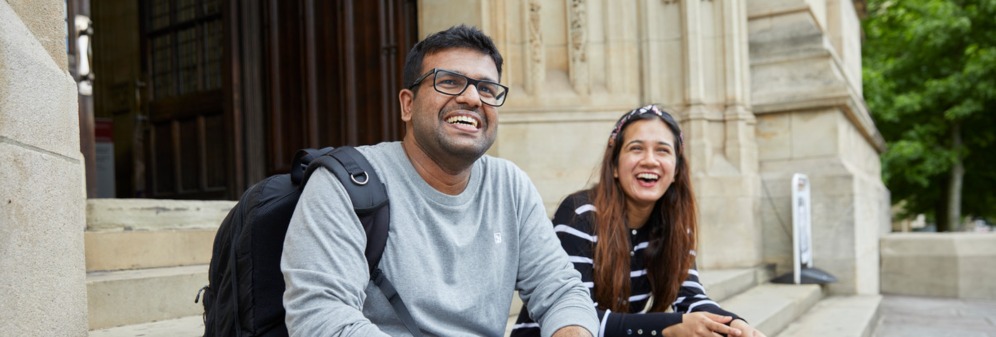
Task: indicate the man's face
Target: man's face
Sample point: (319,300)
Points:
(449,127)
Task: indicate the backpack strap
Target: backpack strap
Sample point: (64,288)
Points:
(399,306)
(366,192)
(302,158)
(369,198)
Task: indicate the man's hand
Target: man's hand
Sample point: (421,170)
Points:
(572,331)
(702,324)
(748,331)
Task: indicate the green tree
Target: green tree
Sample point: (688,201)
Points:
(930,84)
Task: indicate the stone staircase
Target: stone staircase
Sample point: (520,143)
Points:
(146,260)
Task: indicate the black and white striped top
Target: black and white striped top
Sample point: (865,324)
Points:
(574,224)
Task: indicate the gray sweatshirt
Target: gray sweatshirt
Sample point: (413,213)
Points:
(455,260)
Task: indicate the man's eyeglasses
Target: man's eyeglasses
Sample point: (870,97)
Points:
(450,83)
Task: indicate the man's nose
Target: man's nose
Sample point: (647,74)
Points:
(470,96)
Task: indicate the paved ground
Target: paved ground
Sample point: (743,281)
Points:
(905,316)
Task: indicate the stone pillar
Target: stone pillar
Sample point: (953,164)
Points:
(812,119)
(695,61)
(42,273)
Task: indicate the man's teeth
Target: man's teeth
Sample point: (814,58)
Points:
(648,176)
(462,120)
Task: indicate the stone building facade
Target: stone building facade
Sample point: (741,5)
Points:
(763,88)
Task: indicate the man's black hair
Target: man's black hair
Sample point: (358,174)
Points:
(460,36)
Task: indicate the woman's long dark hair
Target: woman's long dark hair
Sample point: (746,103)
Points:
(671,239)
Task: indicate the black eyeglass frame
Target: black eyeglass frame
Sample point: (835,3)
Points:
(470,81)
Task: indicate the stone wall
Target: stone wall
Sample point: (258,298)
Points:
(42,273)
(960,265)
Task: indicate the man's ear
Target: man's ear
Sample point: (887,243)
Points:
(405,99)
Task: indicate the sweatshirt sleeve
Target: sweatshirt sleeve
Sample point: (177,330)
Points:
(323,264)
(547,282)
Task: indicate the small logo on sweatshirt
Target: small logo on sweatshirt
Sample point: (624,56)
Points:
(497,237)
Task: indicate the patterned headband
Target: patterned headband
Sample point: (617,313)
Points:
(649,109)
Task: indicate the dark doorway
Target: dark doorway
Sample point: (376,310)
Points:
(208,97)
(183,63)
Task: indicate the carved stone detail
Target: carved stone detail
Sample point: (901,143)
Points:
(577,46)
(536,59)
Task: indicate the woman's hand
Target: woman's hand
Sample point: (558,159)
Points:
(748,331)
(702,324)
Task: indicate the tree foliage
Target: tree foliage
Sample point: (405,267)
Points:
(929,69)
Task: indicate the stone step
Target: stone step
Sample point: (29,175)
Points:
(154,214)
(772,307)
(838,316)
(721,284)
(127,297)
(121,250)
(190,326)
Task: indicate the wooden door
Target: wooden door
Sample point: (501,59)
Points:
(234,88)
(312,73)
(182,43)
(334,70)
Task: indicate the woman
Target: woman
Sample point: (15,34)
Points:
(637,251)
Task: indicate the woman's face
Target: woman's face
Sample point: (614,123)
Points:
(646,162)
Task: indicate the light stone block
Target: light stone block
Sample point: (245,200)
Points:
(867,280)
(844,30)
(756,8)
(38,99)
(556,170)
(138,296)
(41,243)
(771,307)
(792,35)
(46,19)
(797,84)
(438,15)
(853,316)
(190,326)
(774,134)
(814,134)
(106,251)
(155,214)
(776,222)
(960,265)
(728,236)
(924,265)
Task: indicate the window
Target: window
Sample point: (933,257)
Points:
(185,46)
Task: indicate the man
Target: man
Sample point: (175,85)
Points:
(466,229)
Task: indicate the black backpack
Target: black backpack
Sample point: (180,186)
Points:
(244,296)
